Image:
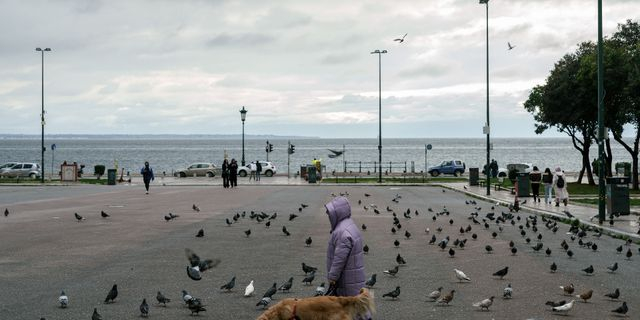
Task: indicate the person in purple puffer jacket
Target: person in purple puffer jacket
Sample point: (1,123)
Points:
(345,258)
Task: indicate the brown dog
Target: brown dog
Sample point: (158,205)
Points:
(322,308)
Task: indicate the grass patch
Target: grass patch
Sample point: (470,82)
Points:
(594,201)
(92,181)
(394,179)
(576,188)
(20,180)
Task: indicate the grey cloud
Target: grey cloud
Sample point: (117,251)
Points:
(242,39)
(337,58)
(426,70)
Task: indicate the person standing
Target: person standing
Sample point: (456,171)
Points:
(536,177)
(494,168)
(258,170)
(147,175)
(547,180)
(225,173)
(252,171)
(560,187)
(233,173)
(345,257)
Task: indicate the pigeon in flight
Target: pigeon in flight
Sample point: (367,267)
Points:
(63,300)
(484,304)
(510,46)
(393,294)
(198,266)
(229,285)
(113,293)
(144,308)
(248,291)
(162,299)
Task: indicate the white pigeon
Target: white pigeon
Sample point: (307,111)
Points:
(186,297)
(461,276)
(508,291)
(63,300)
(320,290)
(435,294)
(248,292)
(564,307)
(484,304)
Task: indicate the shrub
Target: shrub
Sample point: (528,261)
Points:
(98,170)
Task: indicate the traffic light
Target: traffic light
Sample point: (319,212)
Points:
(270,147)
(292,149)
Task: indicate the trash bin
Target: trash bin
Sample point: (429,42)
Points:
(618,196)
(311,173)
(474,176)
(523,184)
(111,177)
(303,172)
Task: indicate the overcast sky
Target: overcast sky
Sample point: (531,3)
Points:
(300,67)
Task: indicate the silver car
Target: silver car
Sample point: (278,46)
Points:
(201,169)
(31,170)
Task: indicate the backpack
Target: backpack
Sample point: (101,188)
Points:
(560,182)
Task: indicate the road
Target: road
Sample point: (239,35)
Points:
(45,250)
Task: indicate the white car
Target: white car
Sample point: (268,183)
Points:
(521,167)
(268,169)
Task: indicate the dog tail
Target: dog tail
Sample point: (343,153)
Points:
(363,303)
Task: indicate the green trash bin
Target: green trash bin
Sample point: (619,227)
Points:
(111,177)
(618,196)
(523,184)
(474,176)
(311,173)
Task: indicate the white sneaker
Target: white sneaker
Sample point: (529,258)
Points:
(146,192)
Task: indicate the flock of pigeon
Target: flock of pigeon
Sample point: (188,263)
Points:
(447,237)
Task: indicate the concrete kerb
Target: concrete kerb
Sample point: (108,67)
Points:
(610,231)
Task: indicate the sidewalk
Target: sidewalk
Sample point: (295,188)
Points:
(624,225)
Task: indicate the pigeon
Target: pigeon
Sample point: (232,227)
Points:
(367,195)
(563,308)
(400,260)
(553,267)
(248,291)
(452,252)
(613,295)
(168,218)
(268,224)
(308,241)
(63,300)
(393,294)
(229,223)
(435,294)
(585,295)
(186,297)
(287,285)
(113,293)
(6,212)
(195,306)
(446,299)
(285,231)
(304,205)
(96,315)
(396,243)
(162,299)
(619,249)
(507,292)
(271,291)
(400,40)
(197,266)
(195,208)
(78,217)
(371,281)
(629,254)
(569,253)
(292,216)
(588,270)
(307,268)
(393,230)
(104,214)
(613,267)
(391,272)
(548,251)
(484,304)
(510,46)
(501,273)
(200,233)
(407,234)
(514,250)
(365,249)
(461,276)
(229,285)
(264,302)
(364,227)
(309,278)
(488,248)
(144,308)
(623,309)
(247,233)
(555,304)
(320,290)
(568,289)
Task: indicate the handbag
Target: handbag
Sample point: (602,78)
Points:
(332,291)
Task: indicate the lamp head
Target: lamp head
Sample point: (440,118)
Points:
(38,49)
(484,1)
(243,114)
(47,49)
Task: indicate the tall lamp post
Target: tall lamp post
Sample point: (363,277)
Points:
(601,182)
(42,115)
(487,128)
(379,53)
(243,116)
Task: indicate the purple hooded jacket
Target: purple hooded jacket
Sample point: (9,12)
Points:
(345,259)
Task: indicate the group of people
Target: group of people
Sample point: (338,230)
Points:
(555,182)
(229,173)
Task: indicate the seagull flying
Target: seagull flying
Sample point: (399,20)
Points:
(400,40)
(510,46)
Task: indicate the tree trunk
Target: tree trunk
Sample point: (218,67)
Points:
(586,164)
(575,142)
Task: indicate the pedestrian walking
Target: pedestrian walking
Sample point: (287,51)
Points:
(547,180)
(252,171)
(147,175)
(345,257)
(258,170)
(233,173)
(536,177)
(560,187)
(225,173)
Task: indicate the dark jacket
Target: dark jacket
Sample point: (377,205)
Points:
(345,258)
(147,174)
(258,167)
(233,169)
(225,169)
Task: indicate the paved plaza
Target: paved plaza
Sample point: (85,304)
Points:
(45,250)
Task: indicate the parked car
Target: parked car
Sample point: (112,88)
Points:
(31,170)
(201,169)
(454,167)
(8,165)
(268,169)
(521,167)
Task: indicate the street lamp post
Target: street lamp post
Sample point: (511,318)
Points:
(487,128)
(243,116)
(42,115)
(379,52)
(601,182)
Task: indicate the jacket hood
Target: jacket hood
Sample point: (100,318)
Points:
(338,209)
